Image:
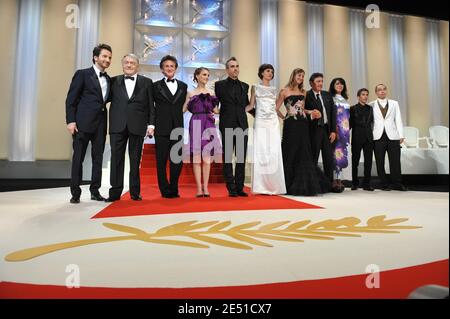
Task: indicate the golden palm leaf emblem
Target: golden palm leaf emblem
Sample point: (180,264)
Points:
(243,236)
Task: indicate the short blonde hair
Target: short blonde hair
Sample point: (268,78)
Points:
(378,85)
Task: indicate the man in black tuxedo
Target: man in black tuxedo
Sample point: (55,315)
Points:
(129,117)
(233,125)
(323,129)
(86,117)
(361,124)
(166,118)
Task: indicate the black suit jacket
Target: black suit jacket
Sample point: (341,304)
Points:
(134,112)
(167,112)
(361,123)
(84,102)
(232,108)
(311,103)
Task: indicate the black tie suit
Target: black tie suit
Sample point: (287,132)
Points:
(233,97)
(86,107)
(320,131)
(166,116)
(128,121)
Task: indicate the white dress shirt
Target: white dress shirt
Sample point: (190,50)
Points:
(382,102)
(130,85)
(325,118)
(173,86)
(103,82)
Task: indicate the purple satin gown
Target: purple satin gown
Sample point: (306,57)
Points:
(203,138)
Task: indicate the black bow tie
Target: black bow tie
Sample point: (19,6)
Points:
(173,80)
(129,78)
(103,74)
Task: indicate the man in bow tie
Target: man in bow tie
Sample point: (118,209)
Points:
(166,124)
(86,116)
(129,120)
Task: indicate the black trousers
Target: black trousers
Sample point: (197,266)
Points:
(367,148)
(235,182)
(392,147)
(80,144)
(118,147)
(320,142)
(163,154)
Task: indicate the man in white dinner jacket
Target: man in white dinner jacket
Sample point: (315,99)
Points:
(387,136)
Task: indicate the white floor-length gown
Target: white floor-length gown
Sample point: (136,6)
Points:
(267,168)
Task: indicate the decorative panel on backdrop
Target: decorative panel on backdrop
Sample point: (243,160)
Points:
(195,31)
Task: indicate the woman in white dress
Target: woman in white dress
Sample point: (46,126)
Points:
(267,167)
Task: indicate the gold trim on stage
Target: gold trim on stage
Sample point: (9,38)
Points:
(243,236)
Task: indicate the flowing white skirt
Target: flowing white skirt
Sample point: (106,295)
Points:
(267,168)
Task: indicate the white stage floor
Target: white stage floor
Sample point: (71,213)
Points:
(29,219)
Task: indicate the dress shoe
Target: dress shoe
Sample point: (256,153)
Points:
(166,196)
(176,195)
(136,197)
(385,188)
(75,200)
(111,199)
(368,188)
(232,194)
(242,194)
(354,187)
(400,187)
(337,189)
(97,197)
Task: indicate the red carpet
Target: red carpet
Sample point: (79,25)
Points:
(394,284)
(153,203)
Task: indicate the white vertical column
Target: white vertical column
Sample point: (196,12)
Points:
(434,72)
(314,14)
(23,115)
(87,35)
(399,84)
(87,39)
(269,35)
(358,50)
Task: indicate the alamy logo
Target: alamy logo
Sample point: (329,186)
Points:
(373,18)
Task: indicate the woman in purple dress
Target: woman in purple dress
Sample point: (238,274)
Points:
(204,142)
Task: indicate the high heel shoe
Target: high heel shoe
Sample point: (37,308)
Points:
(205,194)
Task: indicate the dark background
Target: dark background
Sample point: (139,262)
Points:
(423,8)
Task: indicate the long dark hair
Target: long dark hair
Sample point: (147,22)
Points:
(333,92)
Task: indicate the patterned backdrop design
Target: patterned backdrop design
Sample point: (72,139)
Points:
(195,31)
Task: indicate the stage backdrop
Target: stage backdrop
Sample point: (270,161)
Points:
(409,54)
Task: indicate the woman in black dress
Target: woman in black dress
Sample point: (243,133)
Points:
(302,176)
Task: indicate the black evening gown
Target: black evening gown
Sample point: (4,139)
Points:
(302,177)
